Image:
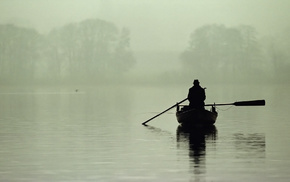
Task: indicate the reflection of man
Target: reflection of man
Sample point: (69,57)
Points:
(196,96)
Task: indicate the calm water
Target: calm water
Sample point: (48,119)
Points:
(95,134)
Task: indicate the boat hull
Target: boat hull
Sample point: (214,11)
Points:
(196,118)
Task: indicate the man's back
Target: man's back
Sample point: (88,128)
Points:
(196,96)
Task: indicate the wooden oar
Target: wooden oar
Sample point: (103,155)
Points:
(243,103)
(164,111)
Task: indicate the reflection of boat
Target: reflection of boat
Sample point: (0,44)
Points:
(196,137)
(195,141)
(206,132)
(188,117)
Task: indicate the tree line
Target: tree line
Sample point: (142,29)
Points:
(95,50)
(90,50)
(237,54)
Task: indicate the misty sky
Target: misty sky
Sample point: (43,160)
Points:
(154,24)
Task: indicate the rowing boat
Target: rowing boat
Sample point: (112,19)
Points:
(188,116)
(191,117)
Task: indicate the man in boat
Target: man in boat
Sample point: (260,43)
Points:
(196,96)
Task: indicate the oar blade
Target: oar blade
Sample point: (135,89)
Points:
(250,103)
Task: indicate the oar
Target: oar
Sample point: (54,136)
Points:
(164,111)
(243,103)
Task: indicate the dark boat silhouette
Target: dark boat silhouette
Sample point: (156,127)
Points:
(190,117)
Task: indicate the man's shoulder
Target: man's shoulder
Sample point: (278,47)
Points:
(196,87)
(199,88)
(192,88)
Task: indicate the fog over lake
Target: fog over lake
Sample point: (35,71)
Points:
(78,77)
(95,134)
(171,40)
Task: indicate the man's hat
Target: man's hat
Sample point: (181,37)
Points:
(195,82)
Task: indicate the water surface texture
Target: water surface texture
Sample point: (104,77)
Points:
(95,134)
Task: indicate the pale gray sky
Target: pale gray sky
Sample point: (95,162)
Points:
(154,24)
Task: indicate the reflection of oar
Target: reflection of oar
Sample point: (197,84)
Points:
(243,103)
(164,111)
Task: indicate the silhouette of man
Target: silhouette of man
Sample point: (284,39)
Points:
(196,96)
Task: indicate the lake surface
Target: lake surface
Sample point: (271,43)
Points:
(95,134)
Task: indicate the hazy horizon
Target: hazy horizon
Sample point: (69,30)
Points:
(160,31)
(154,25)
